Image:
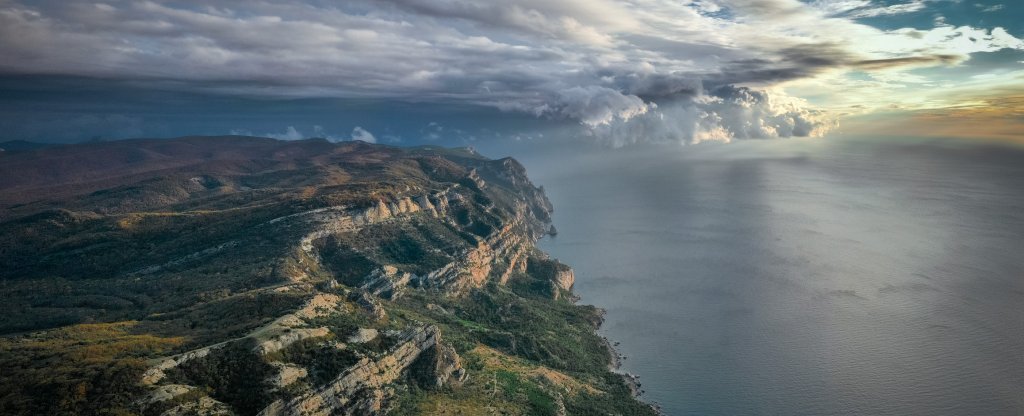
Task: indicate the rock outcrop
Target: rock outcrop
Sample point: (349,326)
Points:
(387,282)
(157,372)
(417,355)
(439,366)
(564,278)
(362,335)
(205,406)
(369,304)
(306,277)
(362,388)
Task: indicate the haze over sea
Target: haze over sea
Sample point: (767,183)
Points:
(804,277)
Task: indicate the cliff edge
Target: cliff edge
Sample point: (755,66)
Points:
(251,276)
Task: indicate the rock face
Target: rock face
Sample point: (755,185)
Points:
(157,372)
(168,392)
(287,374)
(562,282)
(418,355)
(368,303)
(387,282)
(303,277)
(288,329)
(363,335)
(203,406)
(360,390)
(564,278)
(439,366)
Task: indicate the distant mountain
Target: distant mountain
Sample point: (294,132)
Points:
(240,275)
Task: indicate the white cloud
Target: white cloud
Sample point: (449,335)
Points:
(359,133)
(290,133)
(725,114)
(603,63)
(989,9)
(893,9)
(595,106)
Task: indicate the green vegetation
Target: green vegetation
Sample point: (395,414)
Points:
(98,280)
(88,369)
(231,374)
(540,402)
(322,360)
(526,327)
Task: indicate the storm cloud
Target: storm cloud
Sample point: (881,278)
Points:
(614,67)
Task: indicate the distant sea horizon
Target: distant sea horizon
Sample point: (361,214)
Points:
(803,277)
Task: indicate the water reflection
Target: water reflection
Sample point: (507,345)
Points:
(807,278)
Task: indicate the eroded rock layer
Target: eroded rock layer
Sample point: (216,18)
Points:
(246,276)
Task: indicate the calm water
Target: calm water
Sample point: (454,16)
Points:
(803,277)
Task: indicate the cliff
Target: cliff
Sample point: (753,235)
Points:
(246,276)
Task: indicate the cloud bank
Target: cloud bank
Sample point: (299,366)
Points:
(292,133)
(627,70)
(724,114)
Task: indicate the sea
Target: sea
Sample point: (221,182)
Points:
(804,276)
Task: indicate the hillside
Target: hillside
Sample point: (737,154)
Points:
(239,275)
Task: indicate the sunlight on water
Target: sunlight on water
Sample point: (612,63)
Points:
(805,277)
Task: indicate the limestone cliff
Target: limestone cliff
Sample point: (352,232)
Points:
(309,279)
(361,389)
(495,197)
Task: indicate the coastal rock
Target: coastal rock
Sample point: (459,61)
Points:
(564,278)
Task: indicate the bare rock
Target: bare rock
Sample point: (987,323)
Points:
(287,374)
(205,406)
(168,392)
(438,367)
(564,278)
(363,335)
(363,388)
(368,303)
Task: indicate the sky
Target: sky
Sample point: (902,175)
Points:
(611,72)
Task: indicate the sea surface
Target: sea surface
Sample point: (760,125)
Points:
(803,277)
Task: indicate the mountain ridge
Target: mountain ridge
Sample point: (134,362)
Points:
(242,276)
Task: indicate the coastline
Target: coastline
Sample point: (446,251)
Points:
(615,358)
(632,380)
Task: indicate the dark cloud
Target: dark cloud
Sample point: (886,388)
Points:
(600,63)
(872,64)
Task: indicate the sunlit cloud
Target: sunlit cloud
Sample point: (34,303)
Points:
(604,64)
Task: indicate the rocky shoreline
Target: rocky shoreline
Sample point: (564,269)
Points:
(632,380)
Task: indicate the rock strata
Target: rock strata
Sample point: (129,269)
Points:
(361,389)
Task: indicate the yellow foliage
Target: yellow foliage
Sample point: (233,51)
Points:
(76,369)
(93,342)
